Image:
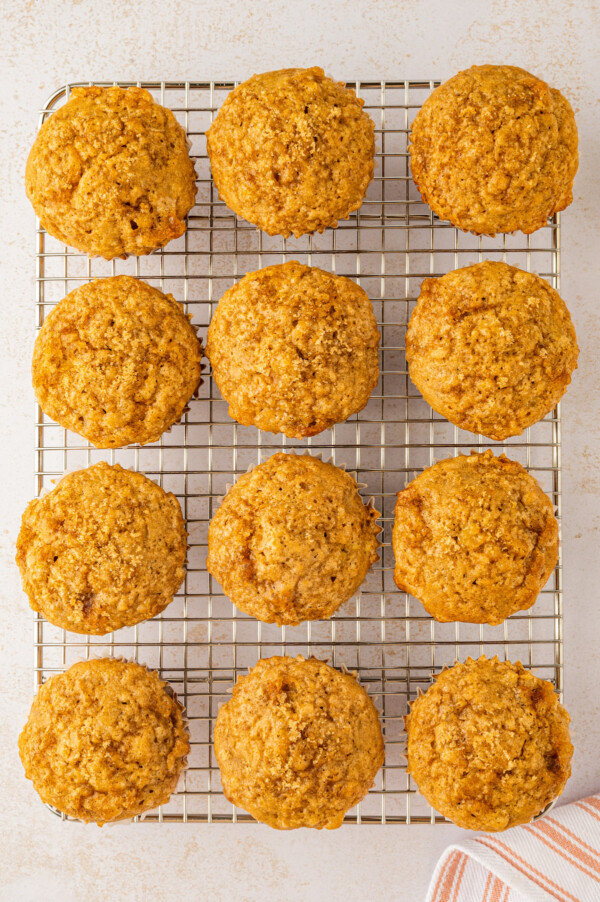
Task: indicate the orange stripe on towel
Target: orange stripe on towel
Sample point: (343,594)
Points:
(578,839)
(527,869)
(497,889)
(559,844)
(486,887)
(446,877)
(459,877)
(592,801)
(587,810)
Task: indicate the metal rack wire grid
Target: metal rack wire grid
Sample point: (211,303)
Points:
(201,643)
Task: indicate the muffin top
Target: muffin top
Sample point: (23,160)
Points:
(110,173)
(494,149)
(117,362)
(491,348)
(294,349)
(489,745)
(292,540)
(105,549)
(104,741)
(292,151)
(475,538)
(298,744)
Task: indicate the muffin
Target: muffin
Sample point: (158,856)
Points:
(489,745)
(491,348)
(494,149)
(105,549)
(294,349)
(292,540)
(117,362)
(110,173)
(104,741)
(475,539)
(298,744)
(292,151)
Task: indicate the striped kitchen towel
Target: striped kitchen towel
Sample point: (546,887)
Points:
(554,858)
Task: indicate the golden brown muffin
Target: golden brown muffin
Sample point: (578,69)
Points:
(491,348)
(494,149)
(117,362)
(475,539)
(292,151)
(292,540)
(298,744)
(104,741)
(294,349)
(110,173)
(489,745)
(105,549)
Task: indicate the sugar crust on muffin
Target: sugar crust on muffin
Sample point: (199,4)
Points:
(489,744)
(104,741)
(110,173)
(105,549)
(494,149)
(292,151)
(475,538)
(491,347)
(292,540)
(116,361)
(294,349)
(298,744)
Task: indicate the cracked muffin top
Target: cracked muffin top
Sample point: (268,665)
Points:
(117,362)
(292,540)
(298,744)
(105,549)
(110,173)
(491,348)
(489,745)
(494,149)
(475,539)
(292,151)
(294,349)
(104,741)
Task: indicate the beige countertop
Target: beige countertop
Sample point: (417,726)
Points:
(48,44)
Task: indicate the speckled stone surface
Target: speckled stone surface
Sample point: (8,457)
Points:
(46,44)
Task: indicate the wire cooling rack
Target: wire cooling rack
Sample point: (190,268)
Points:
(201,643)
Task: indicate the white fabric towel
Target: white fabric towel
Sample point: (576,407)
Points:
(554,858)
